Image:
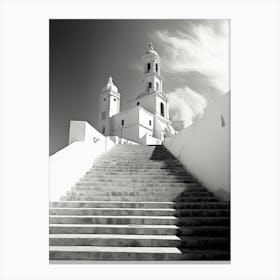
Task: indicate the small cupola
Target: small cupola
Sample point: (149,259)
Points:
(110,85)
(151,50)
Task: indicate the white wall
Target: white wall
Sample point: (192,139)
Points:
(77,131)
(130,133)
(130,117)
(130,129)
(149,140)
(144,118)
(122,141)
(68,165)
(148,102)
(114,105)
(204,147)
(144,131)
(166,111)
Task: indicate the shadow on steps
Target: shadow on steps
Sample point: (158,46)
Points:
(203,220)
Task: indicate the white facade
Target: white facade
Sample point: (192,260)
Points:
(133,124)
(204,147)
(149,112)
(68,165)
(109,106)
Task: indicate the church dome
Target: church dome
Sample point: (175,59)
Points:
(110,85)
(151,50)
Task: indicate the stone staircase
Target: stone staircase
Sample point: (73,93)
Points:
(138,203)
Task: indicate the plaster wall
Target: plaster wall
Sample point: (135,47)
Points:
(204,147)
(104,104)
(130,117)
(145,118)
(166,111)
(136,124)
(130,133)
(143,131)
(148,102)
(155,81)
(68,165)
(149,140)
(114,105)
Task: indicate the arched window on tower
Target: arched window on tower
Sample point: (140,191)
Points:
(162,109)
(156,67)
(157,86)
(149,86)
(103,129)
(148,67)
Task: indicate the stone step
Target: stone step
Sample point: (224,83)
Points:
(142,204)
(204,242)
(126,154)
(142,153)
(202,221)
(171,193)
(133,240)
(112,204)
(113,229)
(204,255)
(202,205)
(99,253)
(144,165)
(192,187)
(139,169)
(115,240)
(113,211)
(140,212)
(157,165)
(102,219)
(147,173)
(134,184)
(138,162)
(135,180)
(141,229)
(136,176)
(139,220)
(149,198)
(203,231)
(201,212)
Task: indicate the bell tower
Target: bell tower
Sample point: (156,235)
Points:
(152,97)
(152,80)
(109,106)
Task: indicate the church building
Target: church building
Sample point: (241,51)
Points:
(147,121)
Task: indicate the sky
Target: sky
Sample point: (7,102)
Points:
(84,53)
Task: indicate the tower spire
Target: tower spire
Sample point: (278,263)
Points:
(151,69)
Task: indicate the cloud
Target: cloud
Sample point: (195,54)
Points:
(199,48)
(199,51)
(186,103)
